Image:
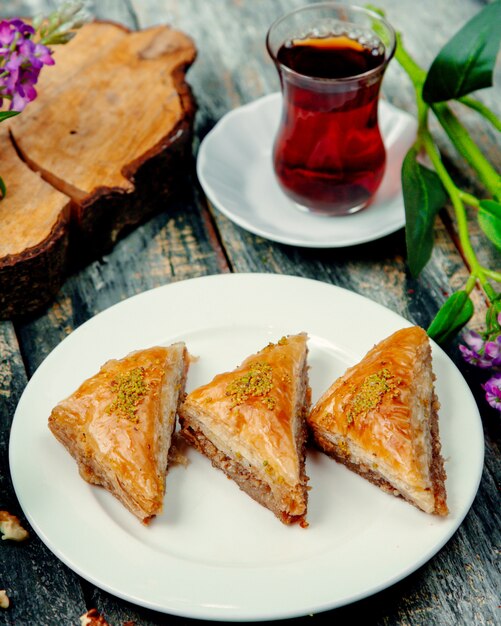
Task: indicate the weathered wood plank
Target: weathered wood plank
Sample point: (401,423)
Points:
(37,583)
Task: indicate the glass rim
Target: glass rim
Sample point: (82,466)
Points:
(335,5)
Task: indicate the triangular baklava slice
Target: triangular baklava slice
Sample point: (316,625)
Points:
(381,420)
(118,425)
(251,423)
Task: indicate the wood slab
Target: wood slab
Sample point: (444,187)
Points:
(110,134)
(34,227)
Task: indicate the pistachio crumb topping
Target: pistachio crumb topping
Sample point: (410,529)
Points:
(281,342)
(270,402)
(371,393)
(256,382)
(130,389)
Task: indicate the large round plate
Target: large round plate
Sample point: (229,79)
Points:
(214,553)
(235,170)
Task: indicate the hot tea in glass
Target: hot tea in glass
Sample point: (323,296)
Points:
(328,154)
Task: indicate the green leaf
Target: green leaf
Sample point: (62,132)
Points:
(3,116)
(466,62)
(451,317)
(6,114)
(489,218)
(424,196)
(58,38)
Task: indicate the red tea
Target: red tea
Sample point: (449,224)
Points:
(328,153)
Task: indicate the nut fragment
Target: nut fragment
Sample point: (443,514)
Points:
(93,618)
(177,451)
(4,599)
(11,528)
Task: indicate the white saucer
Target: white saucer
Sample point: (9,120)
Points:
(235,170)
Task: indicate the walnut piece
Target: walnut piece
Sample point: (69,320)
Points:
(11,528)
(4,599)
(177,451)
(93,618)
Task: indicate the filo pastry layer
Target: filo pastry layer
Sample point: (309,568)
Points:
(251,423)
(381,420)
(118,425)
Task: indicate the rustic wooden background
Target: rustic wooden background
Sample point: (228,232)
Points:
(461,584)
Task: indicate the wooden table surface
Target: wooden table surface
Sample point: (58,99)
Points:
(461,584)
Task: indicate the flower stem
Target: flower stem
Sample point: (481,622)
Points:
(414,71)
(478,272)
(454,129)
(481,108)
(468,148)
(492,274)
(469,199)
(470,284)
(417,76)
(456,200)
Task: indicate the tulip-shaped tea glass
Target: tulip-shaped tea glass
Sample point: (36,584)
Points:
(328,154)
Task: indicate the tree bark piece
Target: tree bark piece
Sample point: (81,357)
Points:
(111,131)
(34,220)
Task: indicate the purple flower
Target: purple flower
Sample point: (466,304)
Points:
(475,358)
(6,34)
(9,28)
(474,340)
(21,60)
(484,351)
(25,29)
(492,351)
(493,391)
(44,54)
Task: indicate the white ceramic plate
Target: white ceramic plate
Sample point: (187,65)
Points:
(214,553)
(235,170)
